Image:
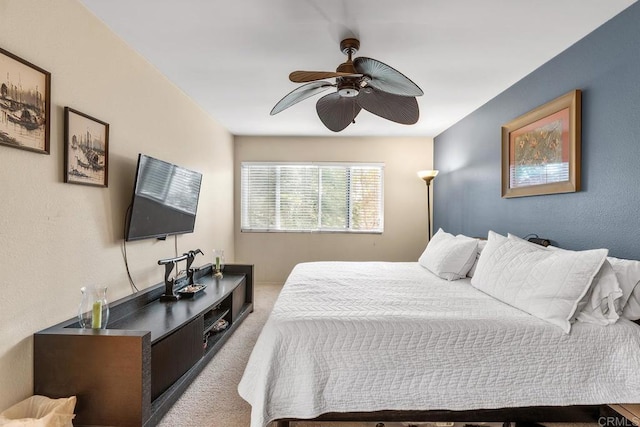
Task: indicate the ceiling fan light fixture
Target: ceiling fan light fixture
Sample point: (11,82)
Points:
(348,92)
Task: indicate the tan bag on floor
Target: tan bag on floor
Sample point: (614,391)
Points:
(40,411)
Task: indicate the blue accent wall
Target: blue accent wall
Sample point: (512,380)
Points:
(605,65)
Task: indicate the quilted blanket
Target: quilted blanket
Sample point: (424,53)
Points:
(370,336)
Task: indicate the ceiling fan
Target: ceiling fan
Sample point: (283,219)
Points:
(361,83)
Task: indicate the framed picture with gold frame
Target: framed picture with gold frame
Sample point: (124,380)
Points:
(541,149)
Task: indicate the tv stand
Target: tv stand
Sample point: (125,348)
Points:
(131,373)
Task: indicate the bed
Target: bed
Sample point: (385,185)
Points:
(393,340)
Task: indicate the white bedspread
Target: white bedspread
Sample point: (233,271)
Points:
(369,336)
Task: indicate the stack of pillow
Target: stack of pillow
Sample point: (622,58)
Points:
(553,284)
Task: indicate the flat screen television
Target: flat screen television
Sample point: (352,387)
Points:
(165,200)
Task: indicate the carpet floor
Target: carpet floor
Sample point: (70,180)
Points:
(212,399)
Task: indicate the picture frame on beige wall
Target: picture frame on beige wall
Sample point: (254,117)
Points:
(25,97)
(86,149)
(541,149)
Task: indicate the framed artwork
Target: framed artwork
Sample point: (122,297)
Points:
(25,92)
(541,149)
(86,149)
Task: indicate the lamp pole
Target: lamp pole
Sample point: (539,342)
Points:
(427,176)
(429,207)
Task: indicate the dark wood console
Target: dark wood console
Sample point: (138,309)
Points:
(132,372)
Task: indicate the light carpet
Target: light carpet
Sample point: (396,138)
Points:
(212,399)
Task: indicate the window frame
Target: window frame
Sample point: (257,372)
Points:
(320,165)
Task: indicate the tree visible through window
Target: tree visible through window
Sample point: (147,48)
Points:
(344,197)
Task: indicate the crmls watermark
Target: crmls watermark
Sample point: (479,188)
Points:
(618,422)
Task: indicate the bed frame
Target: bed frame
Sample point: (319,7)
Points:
(533,414)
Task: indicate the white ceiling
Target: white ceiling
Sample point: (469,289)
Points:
(234,57)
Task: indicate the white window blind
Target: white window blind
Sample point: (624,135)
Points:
(333,197)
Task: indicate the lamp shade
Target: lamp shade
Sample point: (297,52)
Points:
(427,175)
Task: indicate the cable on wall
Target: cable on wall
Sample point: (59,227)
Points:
(134,288)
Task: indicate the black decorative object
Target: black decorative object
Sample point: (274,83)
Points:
(169,283)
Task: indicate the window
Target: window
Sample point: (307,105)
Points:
(333,197)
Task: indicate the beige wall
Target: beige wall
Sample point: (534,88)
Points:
(405,204)
(56,237)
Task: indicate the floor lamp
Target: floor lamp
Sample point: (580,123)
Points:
(428,176)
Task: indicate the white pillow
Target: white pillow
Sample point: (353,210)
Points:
(449,257)
(545,283)
(628,274)
(481,245)
(600,305)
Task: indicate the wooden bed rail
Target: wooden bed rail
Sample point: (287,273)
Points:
(532,414)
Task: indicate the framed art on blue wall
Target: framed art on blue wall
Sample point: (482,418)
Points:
(541,149)
(24,104)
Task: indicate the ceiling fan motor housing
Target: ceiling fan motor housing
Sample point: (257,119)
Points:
(348,87)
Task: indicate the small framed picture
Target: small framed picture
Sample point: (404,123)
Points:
(24,104)
(541,149)
(86,149)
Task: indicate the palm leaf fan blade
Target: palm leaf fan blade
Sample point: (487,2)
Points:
(399,109)
(309,76)
(337,112)
(386,78)
(300,94)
